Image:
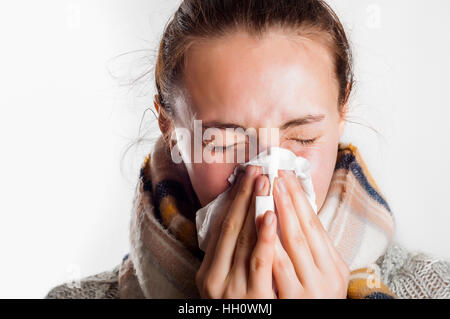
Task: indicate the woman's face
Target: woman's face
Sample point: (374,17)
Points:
(265,84)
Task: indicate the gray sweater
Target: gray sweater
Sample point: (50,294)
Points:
(407,274)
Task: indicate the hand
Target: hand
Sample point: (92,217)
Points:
(306,263)
(233,266)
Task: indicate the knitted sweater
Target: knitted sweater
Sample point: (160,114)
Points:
(164,253)
(407,274)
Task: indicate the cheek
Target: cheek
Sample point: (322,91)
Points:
(209,180)
(323,161)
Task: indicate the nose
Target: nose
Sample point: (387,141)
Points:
(268,137)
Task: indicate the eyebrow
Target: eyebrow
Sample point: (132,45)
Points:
(308,119)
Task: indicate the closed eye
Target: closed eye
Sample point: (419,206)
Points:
(215,148)
(304,142)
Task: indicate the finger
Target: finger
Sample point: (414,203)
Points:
(292,236)
(339,262)
(211,246)
(247,237)
(325,254)
(309,222)
(323,250)
(261,260)
(284,273)
(231,226)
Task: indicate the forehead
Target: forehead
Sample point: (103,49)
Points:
(238,78)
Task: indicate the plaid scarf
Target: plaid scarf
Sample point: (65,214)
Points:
(164,254)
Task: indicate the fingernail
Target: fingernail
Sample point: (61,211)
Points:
(268,218)
(250,171)
(260,183)
(281,185)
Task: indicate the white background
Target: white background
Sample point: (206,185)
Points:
(66,116)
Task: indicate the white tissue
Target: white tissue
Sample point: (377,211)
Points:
(271,160)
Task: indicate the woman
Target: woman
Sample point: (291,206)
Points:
(259,64)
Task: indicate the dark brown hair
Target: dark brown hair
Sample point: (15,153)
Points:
(202,19)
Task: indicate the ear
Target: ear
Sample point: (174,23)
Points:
(164,122)
(343,119)
(156,103)
(344,112)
